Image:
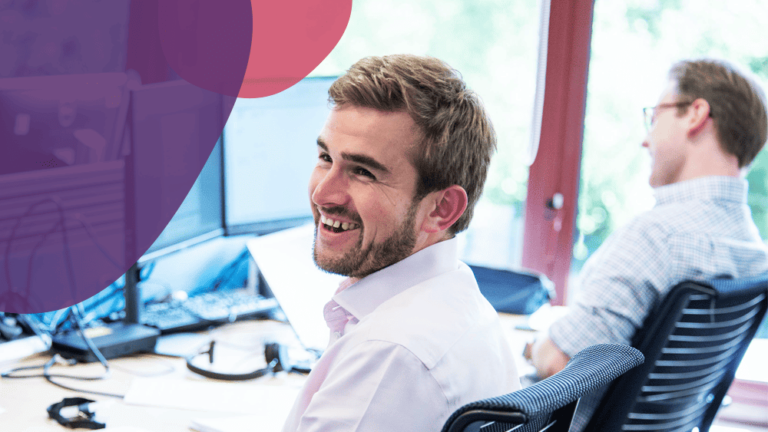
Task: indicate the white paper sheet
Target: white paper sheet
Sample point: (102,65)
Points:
(211,396)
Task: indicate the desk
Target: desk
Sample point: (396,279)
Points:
(25,400)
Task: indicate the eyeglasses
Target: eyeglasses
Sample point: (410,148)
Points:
(649,113)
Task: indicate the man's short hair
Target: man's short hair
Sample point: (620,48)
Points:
(457,138)
(737,103)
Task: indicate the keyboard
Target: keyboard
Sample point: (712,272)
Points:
(204,310)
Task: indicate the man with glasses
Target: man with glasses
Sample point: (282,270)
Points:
(707,128)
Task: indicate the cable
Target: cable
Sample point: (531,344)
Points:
(226,274)
(12,237)
(49,377)
(33,323)
(56,359)
(88,230)
(78,321)
(61,222)
(233,269)
(74,311)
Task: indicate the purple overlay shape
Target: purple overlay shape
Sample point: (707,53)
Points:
(207,42)
(93,164)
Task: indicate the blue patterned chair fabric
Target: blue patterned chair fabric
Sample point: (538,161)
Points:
(588,370)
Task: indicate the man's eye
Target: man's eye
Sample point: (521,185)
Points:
(324,157)
(364,172)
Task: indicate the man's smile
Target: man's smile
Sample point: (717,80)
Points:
(337,226)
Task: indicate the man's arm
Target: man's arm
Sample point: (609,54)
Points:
(619,285)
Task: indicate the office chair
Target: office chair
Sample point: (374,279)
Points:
(549,404)
(693,343)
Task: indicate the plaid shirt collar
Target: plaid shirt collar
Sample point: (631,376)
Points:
(716,188)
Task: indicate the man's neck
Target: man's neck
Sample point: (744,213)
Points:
(707,158)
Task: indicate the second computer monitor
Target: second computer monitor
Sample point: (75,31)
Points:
(174,127)
(269,153)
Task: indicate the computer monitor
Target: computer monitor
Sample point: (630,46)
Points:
(175,173)
(175,167)
(200,215)
(269,153)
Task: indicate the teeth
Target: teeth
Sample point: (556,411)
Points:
(336,224)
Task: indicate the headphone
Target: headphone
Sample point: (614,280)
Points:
(275,354)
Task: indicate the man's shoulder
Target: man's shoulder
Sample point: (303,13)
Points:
(429,318)
(651,226)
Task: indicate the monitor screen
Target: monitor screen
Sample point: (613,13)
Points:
(180,112)
(199,215)
(269,153)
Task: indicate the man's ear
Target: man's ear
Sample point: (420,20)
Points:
(699,110)
(446,207)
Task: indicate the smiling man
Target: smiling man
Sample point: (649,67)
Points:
(401,163)
(707,127)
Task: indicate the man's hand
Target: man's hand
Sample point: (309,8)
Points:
(528,351)
(545,356)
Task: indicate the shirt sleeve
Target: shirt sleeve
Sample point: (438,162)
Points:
(379,386)
(620,284)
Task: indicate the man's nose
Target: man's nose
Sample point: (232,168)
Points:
(331,190)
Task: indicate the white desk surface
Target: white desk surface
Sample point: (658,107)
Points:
(23,402)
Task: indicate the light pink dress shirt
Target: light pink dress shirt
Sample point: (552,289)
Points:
(409,344)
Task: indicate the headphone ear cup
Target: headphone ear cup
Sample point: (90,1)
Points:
(275,351)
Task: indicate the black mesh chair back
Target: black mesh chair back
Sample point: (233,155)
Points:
(693,342)
(549,404)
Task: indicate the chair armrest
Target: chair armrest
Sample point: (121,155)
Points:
(590,369)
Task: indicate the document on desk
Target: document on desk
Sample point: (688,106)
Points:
(263,400)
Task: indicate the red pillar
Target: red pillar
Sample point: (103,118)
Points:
(549,232)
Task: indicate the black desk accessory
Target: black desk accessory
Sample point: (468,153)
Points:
(113,340)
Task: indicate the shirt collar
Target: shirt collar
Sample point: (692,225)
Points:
(368,293)
(722,188)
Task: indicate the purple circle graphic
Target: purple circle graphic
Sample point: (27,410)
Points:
(100,141)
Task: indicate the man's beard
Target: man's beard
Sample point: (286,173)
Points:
(359,262)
